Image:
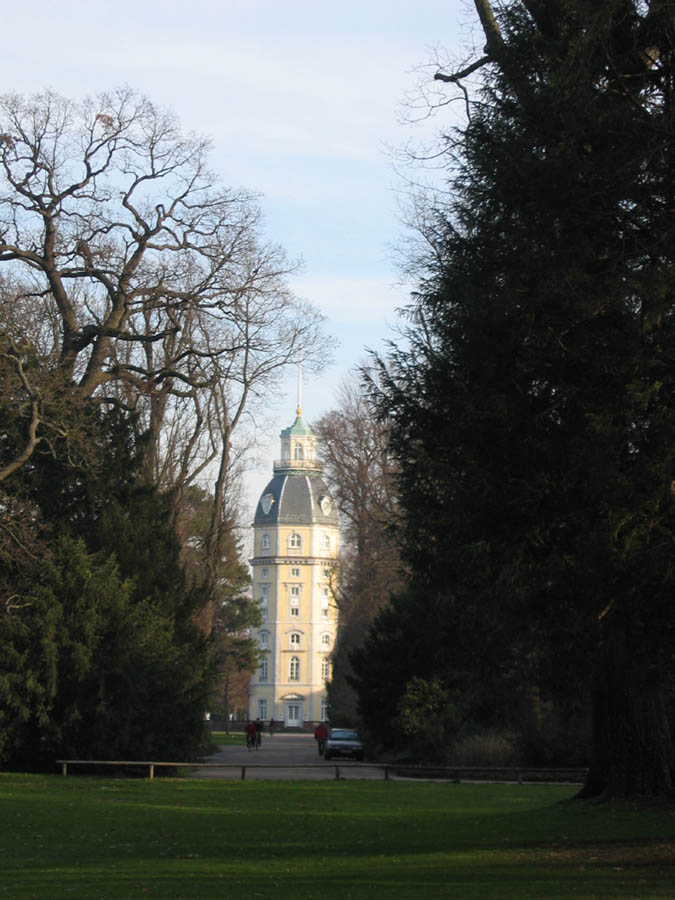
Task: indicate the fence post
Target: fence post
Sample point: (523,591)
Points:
(152,771)
(64,768)
(337,773)
(243,773)
(386,773)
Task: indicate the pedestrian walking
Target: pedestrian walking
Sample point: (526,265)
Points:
(320,735)
(249,731)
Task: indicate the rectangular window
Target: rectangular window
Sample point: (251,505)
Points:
(295,599)
(263,670)
(324,710)
(295,573)
(262,708)
(264,600)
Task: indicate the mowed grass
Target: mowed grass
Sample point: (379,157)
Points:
(89,838)
(235,739)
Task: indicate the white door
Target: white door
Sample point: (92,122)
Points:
(293,717)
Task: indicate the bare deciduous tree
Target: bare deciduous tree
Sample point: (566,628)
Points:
(147,274)
(134,277)
(361,473)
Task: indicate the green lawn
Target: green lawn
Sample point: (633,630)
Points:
(90,838)
(236,739)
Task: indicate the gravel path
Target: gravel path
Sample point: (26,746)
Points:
(286,751)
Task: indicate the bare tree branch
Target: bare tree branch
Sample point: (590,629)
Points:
(456,77)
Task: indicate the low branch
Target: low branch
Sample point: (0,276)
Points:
(457,76)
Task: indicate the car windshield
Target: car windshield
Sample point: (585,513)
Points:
(342,734)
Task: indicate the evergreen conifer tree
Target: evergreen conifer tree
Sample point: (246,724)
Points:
(533,411)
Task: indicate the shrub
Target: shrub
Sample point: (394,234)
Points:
(491,748)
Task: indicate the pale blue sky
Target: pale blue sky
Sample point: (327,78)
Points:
(300,99)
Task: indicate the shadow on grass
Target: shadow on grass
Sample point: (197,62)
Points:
(89,838)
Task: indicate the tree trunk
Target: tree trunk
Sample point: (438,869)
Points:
(226,703)
(632,746)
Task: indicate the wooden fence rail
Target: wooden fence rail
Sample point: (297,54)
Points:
(455,773)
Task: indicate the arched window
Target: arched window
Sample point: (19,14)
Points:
(325,542)
(266,541)
(264,637)
(298,451)
(263,670)
(325,641)
(294,669)
(295,641)
(295,541)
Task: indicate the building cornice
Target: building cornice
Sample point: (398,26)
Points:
(293,560)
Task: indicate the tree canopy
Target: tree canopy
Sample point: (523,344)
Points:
(532,408)
(144,316)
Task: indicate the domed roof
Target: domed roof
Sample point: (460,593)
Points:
(298,427)
(296,499)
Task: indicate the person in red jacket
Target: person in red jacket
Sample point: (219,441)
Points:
(320,735)
(250,735)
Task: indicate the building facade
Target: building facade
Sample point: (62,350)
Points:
(294,579)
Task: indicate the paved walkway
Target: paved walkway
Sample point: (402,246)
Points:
(295,757)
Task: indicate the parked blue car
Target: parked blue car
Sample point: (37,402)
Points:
(344,742)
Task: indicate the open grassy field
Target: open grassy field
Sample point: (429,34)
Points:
(86,838)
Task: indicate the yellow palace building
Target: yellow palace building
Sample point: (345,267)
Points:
(294,573)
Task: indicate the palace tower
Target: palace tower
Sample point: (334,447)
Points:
(294,579)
